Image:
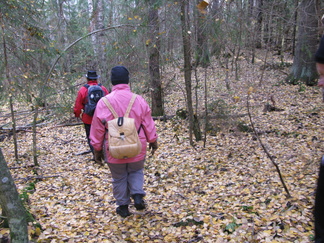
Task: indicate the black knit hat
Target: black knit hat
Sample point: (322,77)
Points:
(92,75)
(119,75)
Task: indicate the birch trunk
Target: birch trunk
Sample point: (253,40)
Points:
(11,205)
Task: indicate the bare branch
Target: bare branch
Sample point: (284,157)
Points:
(265,149)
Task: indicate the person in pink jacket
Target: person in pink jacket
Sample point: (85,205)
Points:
(128,173)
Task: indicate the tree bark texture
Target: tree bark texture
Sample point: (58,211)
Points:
(154,60)
(96,18)
(11,205)
(13,119)
(303,68)
(187,71)
(202,52)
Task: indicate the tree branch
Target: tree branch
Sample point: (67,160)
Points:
(265,150)
(76,41)
(37,177)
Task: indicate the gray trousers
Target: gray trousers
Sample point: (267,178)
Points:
(128,179)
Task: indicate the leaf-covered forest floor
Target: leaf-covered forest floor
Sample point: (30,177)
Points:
(225,191)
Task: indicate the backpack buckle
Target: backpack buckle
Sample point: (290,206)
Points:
(120,121)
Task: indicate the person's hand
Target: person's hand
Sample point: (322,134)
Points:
(98,157)
(321,81)
(153,147)
(81,114)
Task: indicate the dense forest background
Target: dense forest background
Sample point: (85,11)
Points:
(193,60)
(47,46)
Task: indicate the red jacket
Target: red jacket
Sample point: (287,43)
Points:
(81,100)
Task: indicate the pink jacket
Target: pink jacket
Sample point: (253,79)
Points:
(141,112)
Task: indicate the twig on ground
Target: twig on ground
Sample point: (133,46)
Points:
(265,150)
(37,177)
(19,167)
(85,152)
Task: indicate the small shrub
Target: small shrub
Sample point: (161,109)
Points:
(242,127)
(219,116)
(182,113)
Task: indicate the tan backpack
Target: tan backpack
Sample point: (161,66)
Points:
(122,133)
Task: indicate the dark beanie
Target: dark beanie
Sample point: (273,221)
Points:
(119,75)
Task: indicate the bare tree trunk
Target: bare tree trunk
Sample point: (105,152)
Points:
(295,29)
(62,33)
(259,16)
(187,64)
(14,130)
(255,13)
(35,153)
(187,72)
(97,22)
(154,60)
(206,108)
(11,205)
(92,27)
(304,68)
(196,90)
(227,80)
(13,119)
(102,61)
(202,53)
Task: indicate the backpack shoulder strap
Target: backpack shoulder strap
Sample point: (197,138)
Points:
(130,105)
(88,85)
(110,107)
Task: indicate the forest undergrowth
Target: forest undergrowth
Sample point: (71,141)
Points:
(225,191)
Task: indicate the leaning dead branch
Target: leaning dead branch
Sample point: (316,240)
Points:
(265,149)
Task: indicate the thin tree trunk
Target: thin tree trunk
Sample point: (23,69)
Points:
(227,80)
(196,90)
(295,28)
(11,205)
(187,72)
(63,33)
(187,65)
(13,119)
(35,153)
(92,26)
(14,129)
(256,36)
(154,60)
(206,108)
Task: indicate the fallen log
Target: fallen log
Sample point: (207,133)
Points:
(36,177)
(19,167)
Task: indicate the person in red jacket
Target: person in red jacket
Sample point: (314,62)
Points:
(81,101)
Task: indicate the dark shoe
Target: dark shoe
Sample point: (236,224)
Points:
(122,210)
(99,163)
(138,201)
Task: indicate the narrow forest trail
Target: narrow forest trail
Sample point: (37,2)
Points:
(227,191)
